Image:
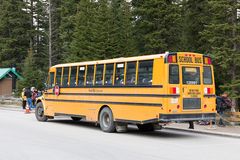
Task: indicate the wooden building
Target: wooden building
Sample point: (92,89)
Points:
(8,80)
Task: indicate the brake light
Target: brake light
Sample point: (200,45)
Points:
(208,90)
(174,90)
(172,59)
(207,60)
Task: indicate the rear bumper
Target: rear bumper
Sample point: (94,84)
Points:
(172,118)
(186,117)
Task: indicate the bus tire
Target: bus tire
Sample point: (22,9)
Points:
(76,119)
(39,113)
(106,120)
(146,127)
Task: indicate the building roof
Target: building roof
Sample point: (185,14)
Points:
(6,71)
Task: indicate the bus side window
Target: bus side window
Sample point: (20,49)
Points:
(119,75)
(99,74)
(131,73)
(58,76)
(89,78)
(73,76)
(145,70)
(109,74)
(173,74)
(81,75)
(65,76)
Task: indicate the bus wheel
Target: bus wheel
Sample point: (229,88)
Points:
(76,119)
(106,120)
(145,127)
(39,113)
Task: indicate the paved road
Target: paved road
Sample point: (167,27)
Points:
(24,138)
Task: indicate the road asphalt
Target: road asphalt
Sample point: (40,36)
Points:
(22,137)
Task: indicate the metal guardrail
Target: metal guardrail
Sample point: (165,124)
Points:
(232,118)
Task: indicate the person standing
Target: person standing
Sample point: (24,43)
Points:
(34,96)
(24,98)
(223,104)
(28,95)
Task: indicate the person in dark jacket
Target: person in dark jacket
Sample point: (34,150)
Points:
(223,104)
(28,95)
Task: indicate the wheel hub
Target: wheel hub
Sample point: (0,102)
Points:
(106,120)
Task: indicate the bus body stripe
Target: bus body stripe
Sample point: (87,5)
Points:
(110,86)
(106,102)
(120,94)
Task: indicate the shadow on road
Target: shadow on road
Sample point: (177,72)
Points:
(132,130)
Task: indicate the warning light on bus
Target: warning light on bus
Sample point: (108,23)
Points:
(207,60)
(172,59)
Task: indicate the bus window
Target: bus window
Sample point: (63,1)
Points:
(81,75)
(90,72)
(109,74)
(51,80)
(119,75)
(191,75)
(58,76)
(99,75)
(65,76)
(173,74)
(131,73)
(207,75)
(145,70)
(73,76)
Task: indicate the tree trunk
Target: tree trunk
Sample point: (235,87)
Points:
(235,50)
(50,35)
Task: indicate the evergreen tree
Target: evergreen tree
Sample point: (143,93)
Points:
(31,77)
(56,48)
(82,46)
(14,37)
(68,9)
(122,29)
(41,35)
(157,25)
(195,15)
(222,36)
(103,29)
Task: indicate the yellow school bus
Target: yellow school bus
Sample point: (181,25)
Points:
(142,90)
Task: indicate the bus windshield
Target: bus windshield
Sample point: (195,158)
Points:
(191,75)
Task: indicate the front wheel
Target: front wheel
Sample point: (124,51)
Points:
(39,113)
(106,120)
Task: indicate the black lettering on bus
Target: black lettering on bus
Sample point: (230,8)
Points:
(198,60)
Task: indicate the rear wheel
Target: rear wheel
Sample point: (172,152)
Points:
(106,120)
(39,113)
(145,127)
(76,118)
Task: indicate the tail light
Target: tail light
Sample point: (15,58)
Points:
(174,90)
(208,91)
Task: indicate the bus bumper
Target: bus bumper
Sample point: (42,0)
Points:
(186,117)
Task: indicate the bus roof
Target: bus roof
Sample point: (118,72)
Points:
(116,60)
